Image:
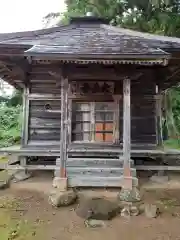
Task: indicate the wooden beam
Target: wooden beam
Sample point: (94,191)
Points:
(116,128)
(34,96)
(25,125)
(157,168)
(159,137)
(65,126)
(127,133)
(92,124)
(61,162)
(24,139)
(69,117)
(28,167)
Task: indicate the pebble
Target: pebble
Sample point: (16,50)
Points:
(93,223)
(151,210)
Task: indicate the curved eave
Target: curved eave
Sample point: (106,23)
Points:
(163,62)
(149,57)
(137,60)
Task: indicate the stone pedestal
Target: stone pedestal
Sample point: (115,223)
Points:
(129,195)
(21,175)
(159,178)
(62,198)
(61,195)
(60,183)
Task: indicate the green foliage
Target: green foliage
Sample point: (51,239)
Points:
(10,119)
(16,99)
(175,101)
(10,125)
(154,16)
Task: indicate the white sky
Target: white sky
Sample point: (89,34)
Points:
(24,15)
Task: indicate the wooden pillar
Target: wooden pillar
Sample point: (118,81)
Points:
(25,124)
(61,162)
(158,105)
(69,116)
(117,99)
(25,117)
(127,184)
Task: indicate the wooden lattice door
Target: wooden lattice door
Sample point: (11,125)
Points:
(104,122)
(94,122)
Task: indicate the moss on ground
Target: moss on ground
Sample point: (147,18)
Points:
(14,226)
(3,159)
(172,144)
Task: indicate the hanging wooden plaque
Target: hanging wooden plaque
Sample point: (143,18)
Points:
(95,88)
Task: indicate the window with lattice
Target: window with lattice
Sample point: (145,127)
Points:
(93,121)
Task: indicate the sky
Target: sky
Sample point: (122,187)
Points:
(23,15)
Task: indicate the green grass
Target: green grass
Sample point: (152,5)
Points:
(3,159)
(172,144)
(15,228)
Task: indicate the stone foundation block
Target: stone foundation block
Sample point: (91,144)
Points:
(151,210)
(60,183)
(159,179)
(21,175)
(129,195)
(62,198)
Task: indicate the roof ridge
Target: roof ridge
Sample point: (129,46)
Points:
(33,33)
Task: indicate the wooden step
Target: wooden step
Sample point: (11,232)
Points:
(89,153)
(86,181)
(97,172)
(96,162)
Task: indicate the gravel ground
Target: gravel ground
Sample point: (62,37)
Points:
(64,224)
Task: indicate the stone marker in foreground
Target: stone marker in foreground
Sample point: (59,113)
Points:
(98,208)
(93,223)
(151,210)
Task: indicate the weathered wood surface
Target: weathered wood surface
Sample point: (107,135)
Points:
(61,162)
(44,125)
(98,181)
(45,88)
(142,108)
(159,130)
(89,150)
(143,125)
(25,115)
(127,174)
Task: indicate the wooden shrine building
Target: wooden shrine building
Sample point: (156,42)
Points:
(92,98)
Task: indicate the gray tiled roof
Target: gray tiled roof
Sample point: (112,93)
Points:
(97,39)
(93,39)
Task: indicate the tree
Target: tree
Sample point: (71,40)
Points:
(154,16)
(16,99)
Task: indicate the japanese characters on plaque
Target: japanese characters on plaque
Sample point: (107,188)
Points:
(100,87)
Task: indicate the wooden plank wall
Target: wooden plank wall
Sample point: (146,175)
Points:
(44,112)
(44,126)
(143,121)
